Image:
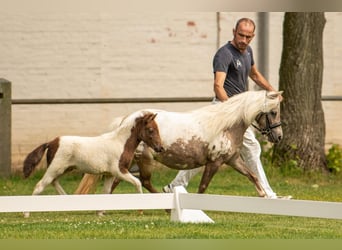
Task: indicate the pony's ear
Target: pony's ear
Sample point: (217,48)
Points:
(274,94)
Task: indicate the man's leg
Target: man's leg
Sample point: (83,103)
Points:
(182,179)
(250,153)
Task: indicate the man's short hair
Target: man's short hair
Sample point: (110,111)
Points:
(244,19)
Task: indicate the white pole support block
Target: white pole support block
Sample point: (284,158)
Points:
(187,215)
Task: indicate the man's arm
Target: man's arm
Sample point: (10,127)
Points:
(259,79)
(218,86)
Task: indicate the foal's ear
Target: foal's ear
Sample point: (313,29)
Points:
(150,117)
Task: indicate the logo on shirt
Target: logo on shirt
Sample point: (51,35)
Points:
(238,63)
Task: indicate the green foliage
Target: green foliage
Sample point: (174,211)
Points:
(334,159)
(288,168)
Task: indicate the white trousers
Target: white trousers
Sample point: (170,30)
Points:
(250,152)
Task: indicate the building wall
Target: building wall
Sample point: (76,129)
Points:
(129,54)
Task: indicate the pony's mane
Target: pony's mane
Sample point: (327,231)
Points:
(239,108)
(243,107)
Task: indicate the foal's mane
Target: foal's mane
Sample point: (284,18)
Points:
(126,123)
(129,121)
(239,108)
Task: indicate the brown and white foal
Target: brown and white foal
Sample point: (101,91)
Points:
(109,154)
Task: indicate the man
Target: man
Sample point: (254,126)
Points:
(233,64)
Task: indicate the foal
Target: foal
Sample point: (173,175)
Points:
(109,154)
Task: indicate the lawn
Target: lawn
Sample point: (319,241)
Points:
(156,224)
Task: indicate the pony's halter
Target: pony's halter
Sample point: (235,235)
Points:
(268,128)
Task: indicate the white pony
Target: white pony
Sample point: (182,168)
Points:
(208,136)
(109,154)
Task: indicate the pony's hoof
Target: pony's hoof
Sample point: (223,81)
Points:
(26,214)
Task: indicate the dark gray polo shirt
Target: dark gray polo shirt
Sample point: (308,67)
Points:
(237,65)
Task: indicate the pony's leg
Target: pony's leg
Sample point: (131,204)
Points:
(58,187)
(145,162)
(145,178)
(88,184)
(239,165)
(209,171)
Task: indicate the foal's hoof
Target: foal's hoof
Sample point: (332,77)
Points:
(101,213)
(286,197)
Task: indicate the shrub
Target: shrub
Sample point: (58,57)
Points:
(334,159)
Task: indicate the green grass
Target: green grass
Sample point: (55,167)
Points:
(156,224)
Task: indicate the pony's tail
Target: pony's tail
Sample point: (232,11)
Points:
(33,158)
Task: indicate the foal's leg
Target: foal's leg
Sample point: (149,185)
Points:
(145,178)
(47,179)
(239,165)
(58,187)
(41,185)
(144,160)
(106,190)
(116,182)
(135,181)
(107,186)
(131,179)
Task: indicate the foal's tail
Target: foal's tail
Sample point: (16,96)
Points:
(33,158)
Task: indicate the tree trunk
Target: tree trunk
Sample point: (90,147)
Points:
(300,77)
